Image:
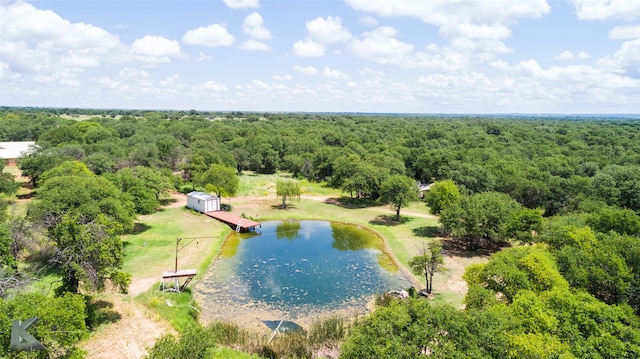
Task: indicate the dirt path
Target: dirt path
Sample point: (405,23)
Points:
(130,336)
(403,213)
(374,209)
(138,328)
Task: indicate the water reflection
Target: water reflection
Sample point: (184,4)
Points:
(322,266)
(288,229)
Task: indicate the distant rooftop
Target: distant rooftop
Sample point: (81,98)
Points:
(12,150)
(200,195)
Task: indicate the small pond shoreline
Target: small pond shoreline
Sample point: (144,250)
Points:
(233,304)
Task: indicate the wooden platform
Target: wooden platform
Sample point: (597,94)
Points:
(233,221)
(188,274)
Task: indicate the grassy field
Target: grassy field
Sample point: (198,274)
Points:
(152,249)
(252,185)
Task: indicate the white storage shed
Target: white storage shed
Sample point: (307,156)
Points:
(203,202)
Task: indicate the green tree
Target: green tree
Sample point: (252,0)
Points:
(287,190)
(599,269)
(60,327)
(606,219)
(427,264)
(628,247)
(441,195)
(414,328)
(87,196)
(220,179)
(88,254)
(399,191)
(83,216)
(194,166)
(37,162)
(520,268)
(143,185)
(619,186)
(67,168)
(523,225)
(364,181)
(7,259)
(61,135)
(9,186)
(478,220)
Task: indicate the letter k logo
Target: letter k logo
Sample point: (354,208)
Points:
(21,340)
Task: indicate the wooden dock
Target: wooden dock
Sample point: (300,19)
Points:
(236,222)
(175,277)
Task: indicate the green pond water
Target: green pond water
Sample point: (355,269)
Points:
(295,269)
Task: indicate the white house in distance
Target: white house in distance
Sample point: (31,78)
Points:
(203,202)
(11,151)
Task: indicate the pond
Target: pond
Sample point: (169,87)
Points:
(297,270)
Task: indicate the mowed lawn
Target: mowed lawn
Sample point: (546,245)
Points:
(152,249)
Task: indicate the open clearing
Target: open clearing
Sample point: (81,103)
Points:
(151,251)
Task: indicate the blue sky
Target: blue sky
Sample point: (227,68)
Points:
(406,56)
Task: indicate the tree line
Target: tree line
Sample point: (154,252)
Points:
(566,189)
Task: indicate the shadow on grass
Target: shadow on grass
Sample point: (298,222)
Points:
(167,201)
(460,248)
(352,203)
(427,231)
(280,207)
(100,312)
(139,228)
(25,196)
(389,220)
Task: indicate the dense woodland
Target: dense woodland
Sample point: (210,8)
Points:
(556,199)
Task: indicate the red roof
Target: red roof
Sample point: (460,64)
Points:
(233,219)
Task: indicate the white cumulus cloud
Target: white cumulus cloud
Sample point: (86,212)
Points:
(308,48)
(212,35)
(368,21)
(155,48)
(463,21)
(381,45)
(52,48)
(447,12)
(22,22)
(327,31)
(213,87)
(625,61)
(242,4)
(625,32)
(607,9)
(568,55)
(254,27)
(334,74)
(254,45)
(307,70)
(282,77)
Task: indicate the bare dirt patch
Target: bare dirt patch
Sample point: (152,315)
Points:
(141,285)
(177,200)
(129,337)
(449,279)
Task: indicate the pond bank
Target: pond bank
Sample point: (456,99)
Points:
(300,271)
